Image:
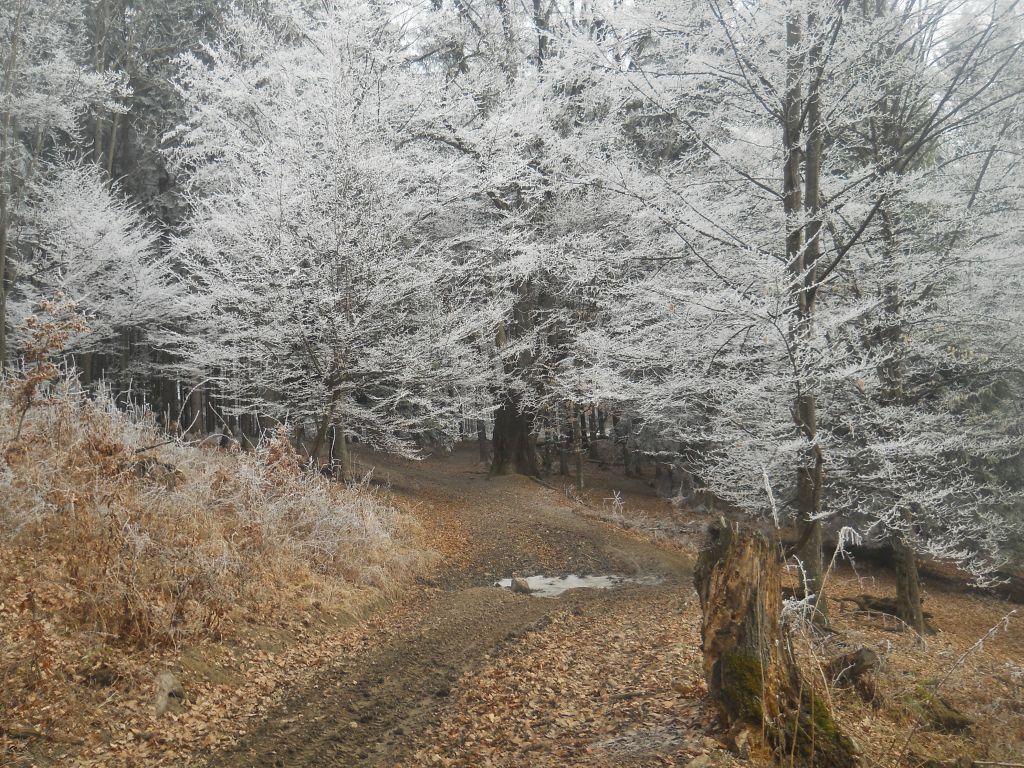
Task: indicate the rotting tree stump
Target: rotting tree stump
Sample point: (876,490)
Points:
(748,661)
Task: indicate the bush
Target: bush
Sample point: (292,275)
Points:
(157,540)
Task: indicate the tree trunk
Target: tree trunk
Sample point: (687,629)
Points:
(908,585)
(803,250)
(890,373)
(577,446)
(341,458)
(548,455)
(248,432)
(86,364)
(3,261)
(481,441)
(5,182)
(169,399)
(627,458)
(196,422)
(3,283)
(299,441)
(315,453)
(512,441)
(540,22)
(748,662)
(113,145)
(564,438)
(622,435)
(809,537)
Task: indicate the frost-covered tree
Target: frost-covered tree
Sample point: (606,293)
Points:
(810,139)
(45,90)
(535,229)
(932,417)
(316,249)
(80,239)
(141,41)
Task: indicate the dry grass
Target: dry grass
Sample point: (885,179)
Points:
(166,544)
(120,547)
(974,661)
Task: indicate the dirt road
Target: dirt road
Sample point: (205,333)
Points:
(382,707)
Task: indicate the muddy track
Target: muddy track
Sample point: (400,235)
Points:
(376,708)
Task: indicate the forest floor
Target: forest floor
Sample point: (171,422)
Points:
(458,672)
(464,674)
(427,684)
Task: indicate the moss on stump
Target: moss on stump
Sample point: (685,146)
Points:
(752,676)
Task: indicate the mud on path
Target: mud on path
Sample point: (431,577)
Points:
(379,706)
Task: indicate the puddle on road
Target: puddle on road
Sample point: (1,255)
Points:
(553,586)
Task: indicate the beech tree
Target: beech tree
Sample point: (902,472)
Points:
(316,244)
(44,92)
(80,239)
(535,231)
(782,236)
(779,252)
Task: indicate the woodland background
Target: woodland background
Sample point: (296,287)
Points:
(769,251)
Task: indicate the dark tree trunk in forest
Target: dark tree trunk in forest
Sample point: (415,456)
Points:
(803,250)
(481,441)
(4,226)
(85,365)
(196,421)
(809,536)
(248,424)
(169,403)
(908,585)
(549,439)
(890,372)
(564,439)
(299,442)
(577,447)
(317,452)
(748,662)
(341,458)
(622,436)
(513,441)
(321,450)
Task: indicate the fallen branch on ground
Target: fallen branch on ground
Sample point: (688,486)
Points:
(24,732)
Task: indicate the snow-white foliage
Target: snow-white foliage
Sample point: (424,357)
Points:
(46,88)
(63,228)
(404,213)
(914,316)
(314,255)
(81,240)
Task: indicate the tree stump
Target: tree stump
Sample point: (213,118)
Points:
(748,661)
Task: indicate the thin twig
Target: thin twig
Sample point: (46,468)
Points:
(155,445)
